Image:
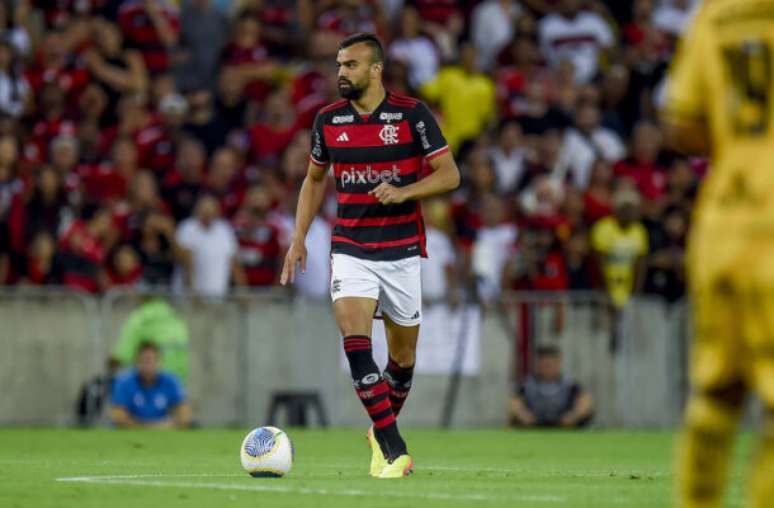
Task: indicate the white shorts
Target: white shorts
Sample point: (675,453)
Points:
(395,285)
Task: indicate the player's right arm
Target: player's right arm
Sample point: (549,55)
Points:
(309,202)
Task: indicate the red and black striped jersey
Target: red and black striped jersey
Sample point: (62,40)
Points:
(387,145)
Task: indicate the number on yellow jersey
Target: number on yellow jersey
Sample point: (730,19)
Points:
(749,72)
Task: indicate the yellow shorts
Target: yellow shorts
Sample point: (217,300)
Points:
(734,338)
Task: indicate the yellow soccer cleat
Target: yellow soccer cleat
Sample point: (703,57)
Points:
(377,456)
(398,468)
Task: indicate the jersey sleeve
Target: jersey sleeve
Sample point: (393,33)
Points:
(428,133)
(319,154)
(686,94)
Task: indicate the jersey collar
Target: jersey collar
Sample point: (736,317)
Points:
(373,114)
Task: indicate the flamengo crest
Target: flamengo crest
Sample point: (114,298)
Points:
(389,134)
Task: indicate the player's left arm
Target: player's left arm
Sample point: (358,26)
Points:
(445,175)
(444,178)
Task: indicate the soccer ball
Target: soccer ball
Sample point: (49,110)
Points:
(267,453)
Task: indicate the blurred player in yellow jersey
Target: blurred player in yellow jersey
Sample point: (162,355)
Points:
(720,102)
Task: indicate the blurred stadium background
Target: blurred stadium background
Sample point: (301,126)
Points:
(121,121)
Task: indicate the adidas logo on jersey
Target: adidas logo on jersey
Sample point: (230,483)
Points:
(343,137)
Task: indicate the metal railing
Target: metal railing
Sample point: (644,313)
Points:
(250,343)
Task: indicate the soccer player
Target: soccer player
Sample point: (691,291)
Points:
(719,102)
(375,142)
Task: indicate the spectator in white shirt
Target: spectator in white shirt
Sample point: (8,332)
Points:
(508,156)
(494,243)
(492,29)
(672,16)
(575,35)
(585,143)
(439,267)
(14,89)
(209,247)
(414,49)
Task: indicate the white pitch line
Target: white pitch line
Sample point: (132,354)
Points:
(143,480)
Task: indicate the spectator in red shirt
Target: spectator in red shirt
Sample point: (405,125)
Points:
(522,69)
(543,259)
(274,132)
(158,143)
(83,248)
(108,181)
(248,60)
(124,268)
(52,122)
(643,166)
(56,65)
(42,264)
(598,198)
(259,240)
(152,27)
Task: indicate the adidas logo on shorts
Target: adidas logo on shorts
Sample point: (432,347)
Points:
(343,137)
(335,286)
(416,315)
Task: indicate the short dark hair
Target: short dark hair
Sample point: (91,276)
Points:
(146,344)
(544,351)
(377,52)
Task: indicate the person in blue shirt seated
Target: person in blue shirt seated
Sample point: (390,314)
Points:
(147,397)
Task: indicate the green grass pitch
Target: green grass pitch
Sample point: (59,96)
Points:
(200,468)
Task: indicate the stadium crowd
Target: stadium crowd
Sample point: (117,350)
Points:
(144,142)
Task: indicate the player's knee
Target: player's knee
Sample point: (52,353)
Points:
(405,356)
(351,324)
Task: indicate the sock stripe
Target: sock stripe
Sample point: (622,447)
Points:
(350,348)
(384,422)
(382,414)
(399,380)
(379,406)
